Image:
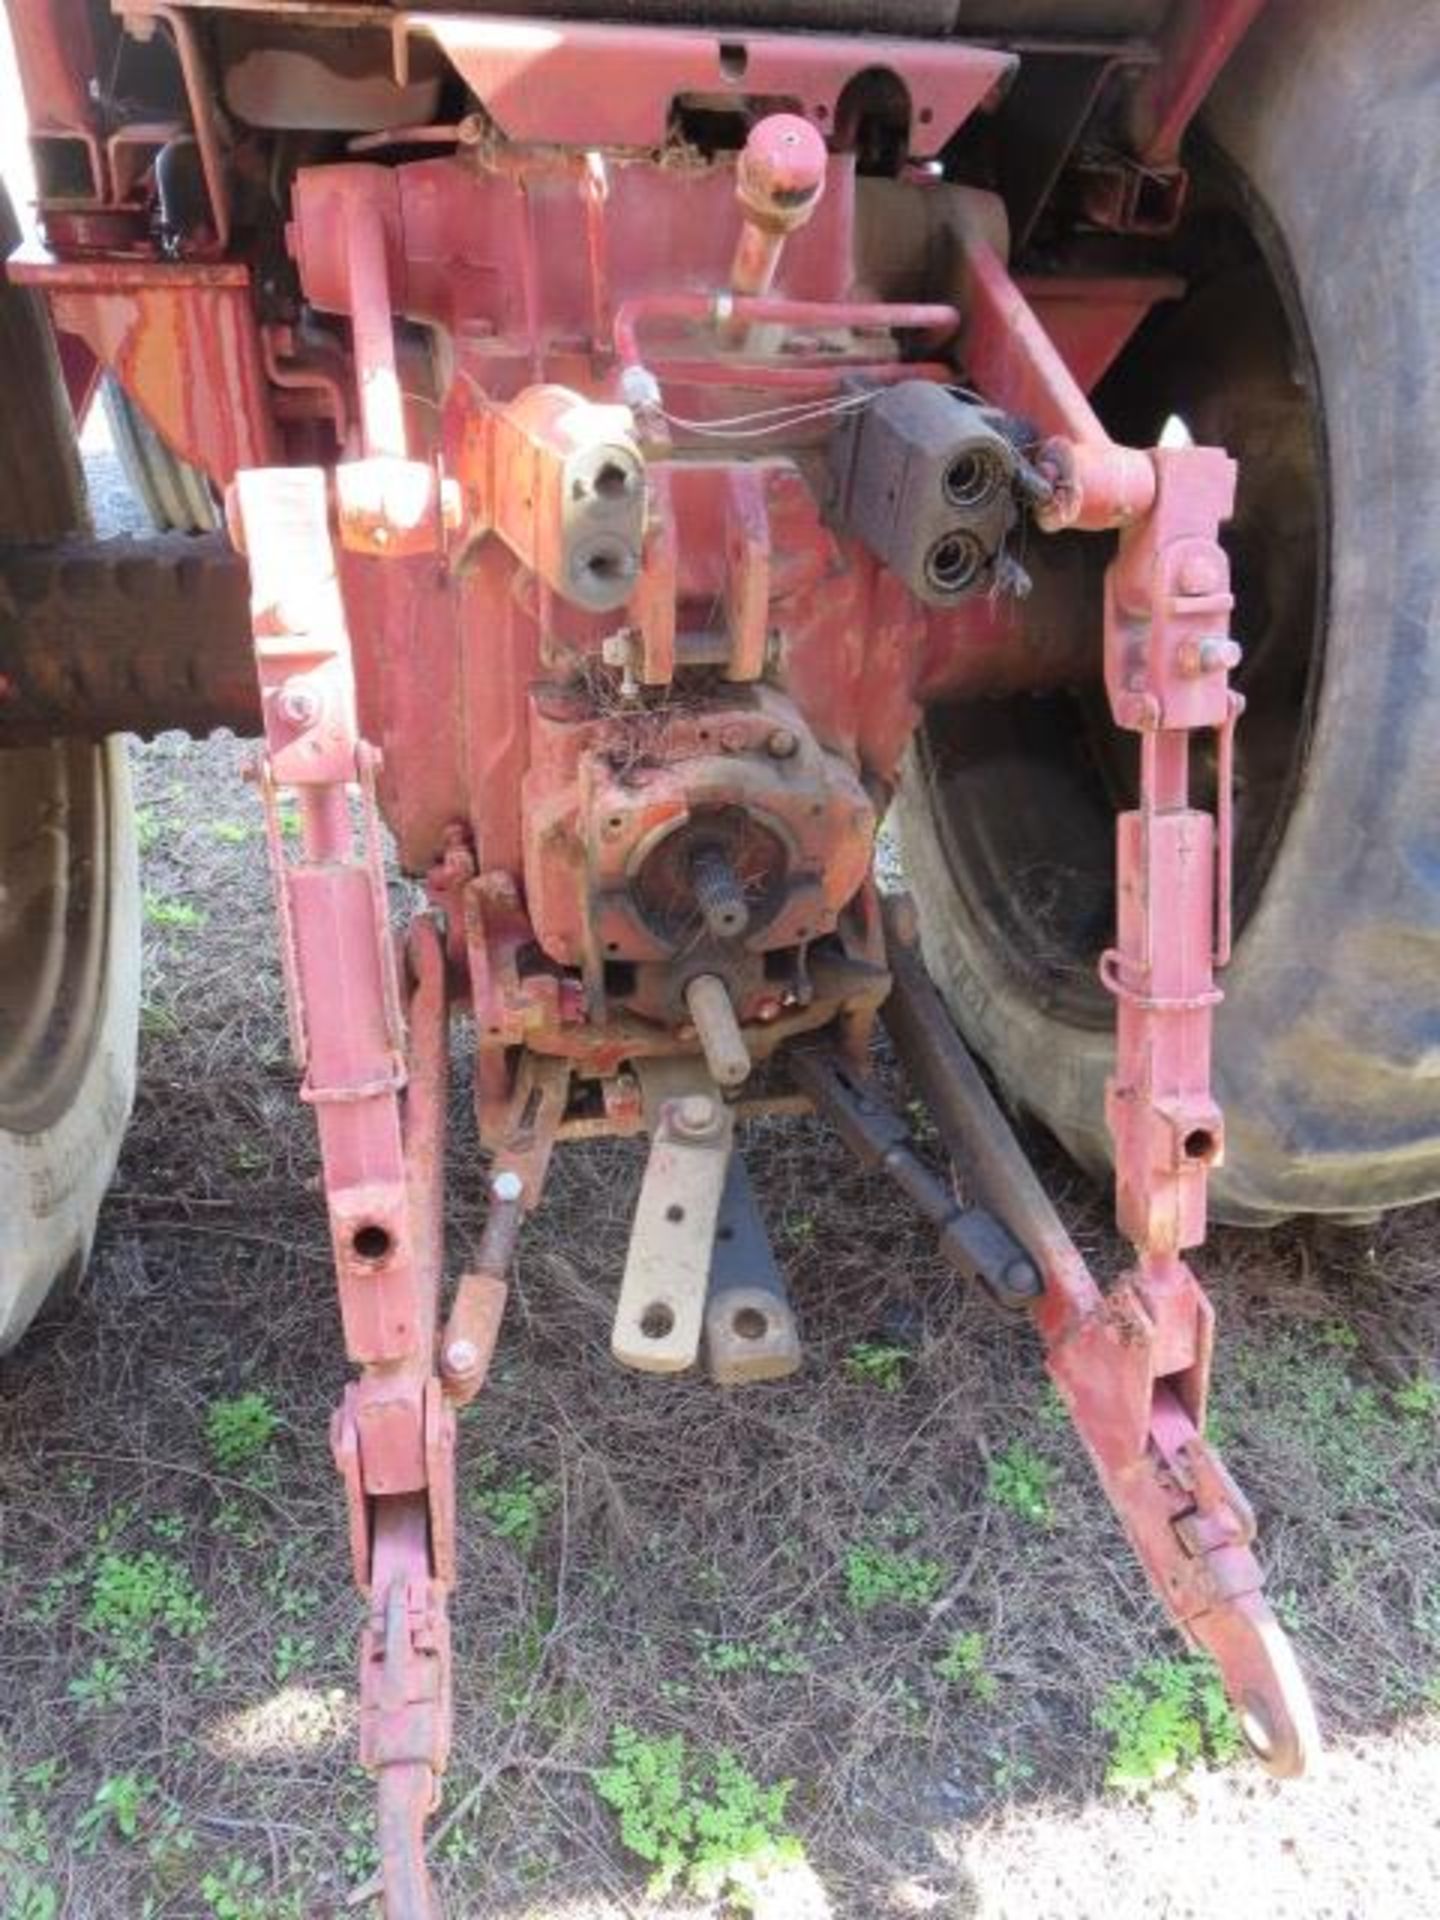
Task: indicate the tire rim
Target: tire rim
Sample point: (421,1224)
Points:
(1024,791)
(54,895)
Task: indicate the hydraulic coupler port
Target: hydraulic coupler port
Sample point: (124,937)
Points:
(569,494)
(928,482)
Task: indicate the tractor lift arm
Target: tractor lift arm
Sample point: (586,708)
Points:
(1113,1357)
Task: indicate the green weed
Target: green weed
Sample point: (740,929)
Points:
(517,1509)
(239,1431)
(232,833)
(517,1667)
(116,1808)
(1296,1398)
(797,1229)
(132,1596)
(907,1702)
(879,1577)
(1009,1771)
(236,1521)
(208,1669)
(293,1653)
(157,1022)
(360,1857)
(232,1891)
(289,1598)
(54,1596)
(1419,1399)
(116,1521)
(703,1823)
(460,1847)
(32,1899)
(150,828)
(1288,1610)
(775,1653)
(877,1363)
(43,1777)
(24,1835)
(1170,1716)
(171,1847)
(1427,1613)
(104,1683)
(1021,1479)
(178,915)
(1051,1410)
(963,1665)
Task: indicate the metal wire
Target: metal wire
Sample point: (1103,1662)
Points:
(767,420)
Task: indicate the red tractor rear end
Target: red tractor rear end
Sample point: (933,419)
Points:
(646,452)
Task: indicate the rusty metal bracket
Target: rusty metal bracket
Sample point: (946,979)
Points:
(750,1331)
(659,1318)
(1143,188)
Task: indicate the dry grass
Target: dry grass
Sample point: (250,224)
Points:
(673,1521)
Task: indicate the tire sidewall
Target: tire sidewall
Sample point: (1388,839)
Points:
(1327,1060)
(53,1179)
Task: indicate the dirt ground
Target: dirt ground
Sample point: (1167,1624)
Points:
(665,1556)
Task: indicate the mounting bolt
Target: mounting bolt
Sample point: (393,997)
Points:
(461,1357)
(695,1115)
(506,1186)
(1197,657)
(299,704)
(1217,654)
(782,744)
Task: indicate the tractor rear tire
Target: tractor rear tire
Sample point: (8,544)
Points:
(1307,347)
(69,890)
(176,496)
